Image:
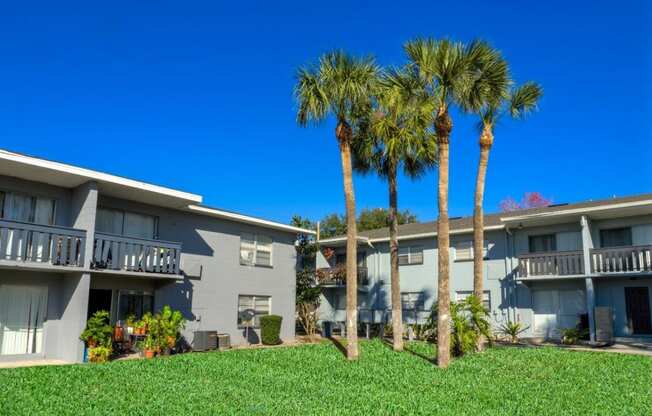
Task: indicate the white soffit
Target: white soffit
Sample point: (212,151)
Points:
(67,176)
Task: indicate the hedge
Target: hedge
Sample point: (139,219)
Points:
(270,329)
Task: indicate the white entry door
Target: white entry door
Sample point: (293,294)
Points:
(22,312)
(556,309)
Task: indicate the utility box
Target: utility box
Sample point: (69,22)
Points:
(204,340)
(223,342)
(604,324)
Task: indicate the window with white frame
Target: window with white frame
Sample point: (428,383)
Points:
(255,250)
(412,301)
(486,297)
(251,308)
(464,250)
(410,255)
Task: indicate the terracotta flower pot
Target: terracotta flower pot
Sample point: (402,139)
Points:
(149,354)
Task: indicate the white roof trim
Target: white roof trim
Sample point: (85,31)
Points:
(97,176)
(247,219)
(573,211)
(412,236)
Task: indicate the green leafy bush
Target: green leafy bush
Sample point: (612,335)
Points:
(512,330)
(98,331)
(468,322)
(570,336)
(270,329)
(99,354)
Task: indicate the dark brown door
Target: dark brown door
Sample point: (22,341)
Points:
(637,301)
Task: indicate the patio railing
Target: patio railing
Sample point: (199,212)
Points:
(553,263)
(621,259)
(116,252)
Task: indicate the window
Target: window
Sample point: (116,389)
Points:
(542,243)
(26,208)
(255,250)
(412,301)
(251,308)
(464,250)
(410,255)
(486,297)
(113,221)
(134,303)
(340,259)
(616,237)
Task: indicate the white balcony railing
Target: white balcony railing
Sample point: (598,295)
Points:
(35,243)
(553,263)
(116,252)
(621,259)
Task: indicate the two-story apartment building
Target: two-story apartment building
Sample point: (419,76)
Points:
(546,267)
(74,241)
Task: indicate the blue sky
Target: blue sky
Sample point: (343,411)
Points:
(198,96)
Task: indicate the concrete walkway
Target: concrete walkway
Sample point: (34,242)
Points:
(31,363)
(635,348)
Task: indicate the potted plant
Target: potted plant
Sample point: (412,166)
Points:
(130,322)
(99,354)
(98,332)
(149,346)
(171,323)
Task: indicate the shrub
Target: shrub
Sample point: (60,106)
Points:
(570,336)
(270,329)
(513,330)
(463,335)
(99,354)
(98,332)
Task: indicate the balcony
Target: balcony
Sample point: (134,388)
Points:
(553,263)
(41,245)
(631,259)
(138,255)
(336,276)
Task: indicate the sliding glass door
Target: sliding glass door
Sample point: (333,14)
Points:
(22,313)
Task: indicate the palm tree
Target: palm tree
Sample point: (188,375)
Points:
(340,85)
(443,66)
(490,96)
(399,136)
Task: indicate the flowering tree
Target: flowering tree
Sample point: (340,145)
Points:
(529,200)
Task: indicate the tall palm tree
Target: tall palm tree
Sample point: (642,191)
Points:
(340,85)
(399,137)
(443,65)
(487,91)
(493,102)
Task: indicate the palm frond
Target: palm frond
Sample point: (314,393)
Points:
(524,99)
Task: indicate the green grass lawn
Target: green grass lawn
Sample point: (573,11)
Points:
(316,380)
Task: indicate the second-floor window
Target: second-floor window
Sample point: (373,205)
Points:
(132,224)
(542,243)
(26,208)
(464,250)
(340,259)
(616,237)
(410,255)
(255,250)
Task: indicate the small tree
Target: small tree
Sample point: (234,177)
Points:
(308,293)
(529,200)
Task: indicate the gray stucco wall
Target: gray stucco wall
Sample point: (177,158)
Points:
(208,295)
(422,278)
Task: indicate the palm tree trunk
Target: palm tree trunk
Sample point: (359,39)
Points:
(343,133)
(397,313)
(478,222)
(443,127)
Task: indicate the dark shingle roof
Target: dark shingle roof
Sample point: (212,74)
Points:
(493,219)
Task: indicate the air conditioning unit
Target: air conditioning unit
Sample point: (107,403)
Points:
(204,340)
(223,341)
